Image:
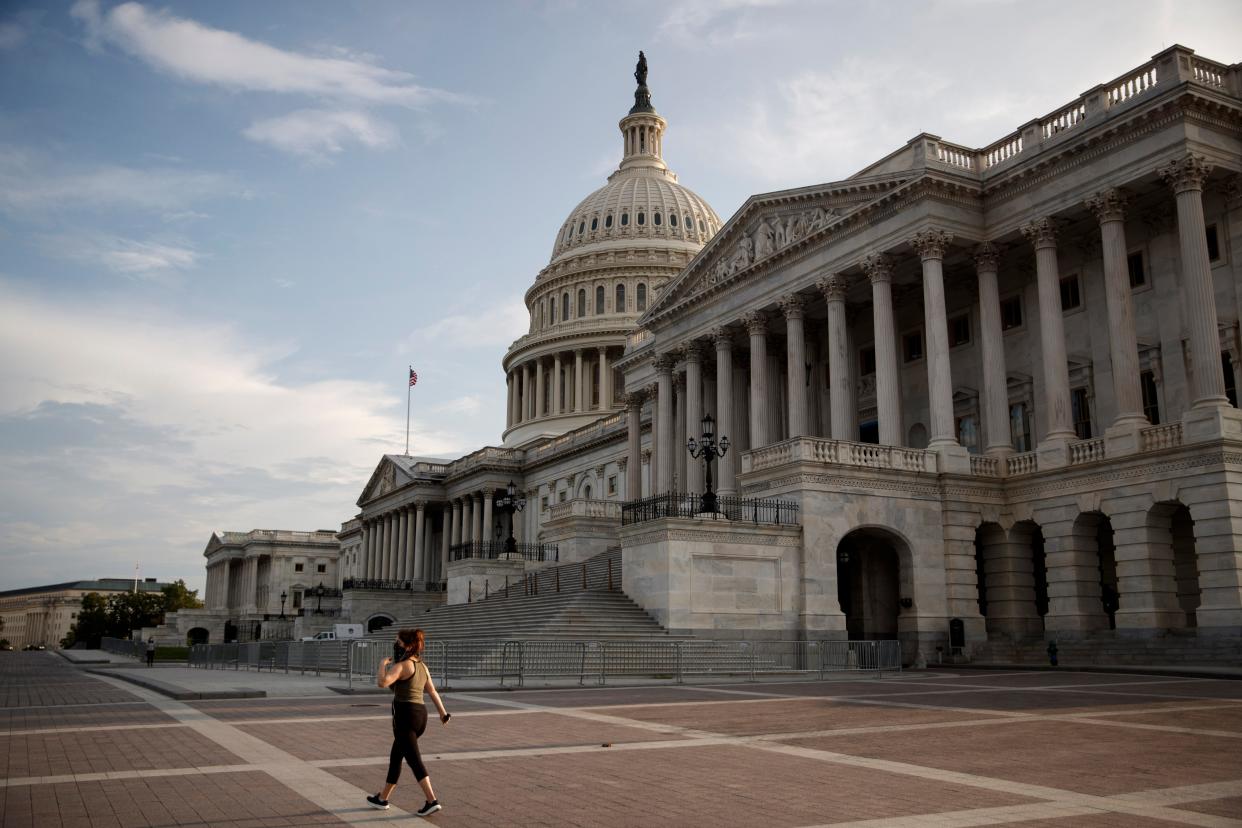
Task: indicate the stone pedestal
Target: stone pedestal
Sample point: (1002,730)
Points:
(472,577)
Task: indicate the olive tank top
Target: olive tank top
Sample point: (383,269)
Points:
(411,689)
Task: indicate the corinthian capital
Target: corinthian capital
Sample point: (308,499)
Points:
(987,257)
(1186,173)
(878,267)
(931,243)
(833,287)
(1041,232)
(756,322)
(1108,205)
(663,363)
(722,337)
(692,351)
(634,399)
(792,306)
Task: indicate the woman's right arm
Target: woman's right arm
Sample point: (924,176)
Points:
(389,672)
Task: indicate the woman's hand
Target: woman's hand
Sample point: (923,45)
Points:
(445,716)
(385,662)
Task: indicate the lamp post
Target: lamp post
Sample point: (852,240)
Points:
(708,449)
(319,594)
(283,595)
(510,503)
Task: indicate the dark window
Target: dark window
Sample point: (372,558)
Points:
(689,223)
(656,219)
(866,361)
(641,297)
(564,307)
(968,432)
(912,346)
(1231,387)
(869,432)
(1011,313)
(1070,295)
(552,308)
(297,567)
(581,227)
(599,300)
(959,330)
(297,599)
(1213,244)
(672,219)
(581,303)
(608,221)
(620,306)
(321,568)
(625,219)
(1138,274)
(642,219)
(1020,427)
(1151,400)
(1081,410)
(594,223)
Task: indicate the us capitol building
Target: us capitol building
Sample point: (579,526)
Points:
(976,399)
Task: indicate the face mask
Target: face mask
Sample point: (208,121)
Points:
(398,652)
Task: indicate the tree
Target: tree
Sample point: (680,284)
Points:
(92,623)
(178,597)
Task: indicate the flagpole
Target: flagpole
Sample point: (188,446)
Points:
(408,389)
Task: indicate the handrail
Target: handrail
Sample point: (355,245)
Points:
(742,509)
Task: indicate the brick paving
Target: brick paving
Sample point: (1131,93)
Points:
(936,748)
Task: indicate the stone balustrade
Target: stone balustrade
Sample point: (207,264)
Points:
(1086,451)
(579,436)
(1132,83)
(490,455)
(1017,464)
(841,452)
(1160,437)
(585,507)
(982,465)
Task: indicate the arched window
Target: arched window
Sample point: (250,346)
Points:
(641,297)
(581,227)
(594,223)
(581,303)
(552,310)
(599,300)
(642,218)
(565,307)
(656,219)
(608,221)
(625,219)
(672,219)
(620,306)
(689,223)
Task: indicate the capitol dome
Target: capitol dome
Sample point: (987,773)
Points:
(612,256)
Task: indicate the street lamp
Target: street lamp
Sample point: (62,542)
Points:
(708,449)
(511,502)
(319,590)
(283,596)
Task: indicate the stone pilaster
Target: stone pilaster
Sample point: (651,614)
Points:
(879,270)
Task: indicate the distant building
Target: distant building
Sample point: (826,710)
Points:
(44,614)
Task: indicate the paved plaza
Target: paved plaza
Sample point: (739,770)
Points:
(934,748)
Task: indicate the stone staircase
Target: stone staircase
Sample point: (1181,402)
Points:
(1175,647)
(536,610)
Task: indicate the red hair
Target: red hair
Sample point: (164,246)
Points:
(415,641)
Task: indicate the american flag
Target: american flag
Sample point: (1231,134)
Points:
(413,377)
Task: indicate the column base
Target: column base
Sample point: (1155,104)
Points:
(952,458)
(1215,423)
(1122,437)
(1000,452)
(1054,451)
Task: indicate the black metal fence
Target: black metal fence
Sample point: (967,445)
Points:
(503,550)
(395,586)
(679,504)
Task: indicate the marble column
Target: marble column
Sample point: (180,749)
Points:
(408,558)
(510,381)
(526,405)
(995,379)
(634,445)
(403,545)
(678,442)
(1186,176)
(931,244)
(538,405)
(555,408)
(579,396)
(795,368)
(420,548)
(1109,208)
(386,553)
(448,515)
(841,404)
(476,512)
(489,529)
(757,327)
(1042,235)
(368,549)
(664,424)
(467,519)
(694,412)
(879,270)
(726,482)
(605,381)
(456,533)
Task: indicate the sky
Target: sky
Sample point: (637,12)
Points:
(227,228)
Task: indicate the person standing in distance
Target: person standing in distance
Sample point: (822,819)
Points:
(409,678)
(151,652)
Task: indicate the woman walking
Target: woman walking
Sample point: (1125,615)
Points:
(408,677)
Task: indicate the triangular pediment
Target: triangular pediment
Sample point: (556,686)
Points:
(388,476)
(766,229)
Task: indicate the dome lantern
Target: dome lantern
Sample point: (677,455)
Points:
(642,129)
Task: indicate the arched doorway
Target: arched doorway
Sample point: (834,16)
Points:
(198,635)
(379,622)
(1101,595)
(230,632)
(869,584)
(1013,582)
(1171,531)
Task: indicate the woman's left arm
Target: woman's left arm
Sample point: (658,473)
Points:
(435,698)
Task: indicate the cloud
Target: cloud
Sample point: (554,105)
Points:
(488,328)
(128,257)
(32,180)
(11,36)
(195,52)
(716,23)
(315,133)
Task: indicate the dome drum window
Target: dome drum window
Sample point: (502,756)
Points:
(608,221)
(641,297)
(599,300)
(581,227)
(581,303)
(689,223)
(642,218)
(656,220)
(625,219)
(594,223)
(620,305)
(672,219)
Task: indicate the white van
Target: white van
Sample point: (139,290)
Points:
(339,632)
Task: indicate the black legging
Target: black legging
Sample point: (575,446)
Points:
(409,720)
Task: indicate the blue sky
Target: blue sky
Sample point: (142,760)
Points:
(226,228)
